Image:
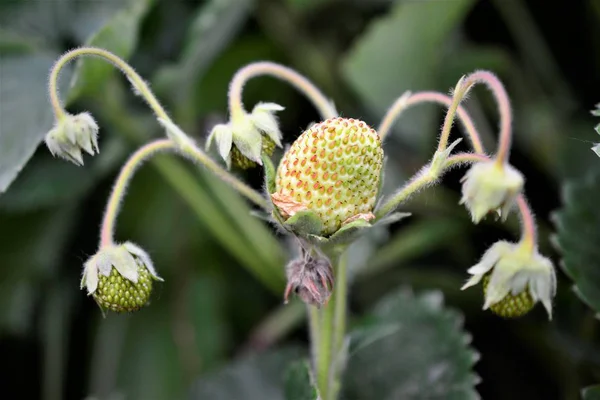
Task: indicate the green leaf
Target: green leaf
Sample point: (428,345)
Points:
(412,348)
(591,393)
(305,223)
(119,35)
(298,382)
(24,110)
(257,377)
(403,51)
(578,235)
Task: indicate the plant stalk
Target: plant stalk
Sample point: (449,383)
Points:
(328,329)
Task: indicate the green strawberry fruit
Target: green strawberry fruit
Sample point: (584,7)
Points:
(511,306)
(333,169)
(241,161)
(119,294)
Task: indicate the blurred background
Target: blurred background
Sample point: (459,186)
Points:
(221,301)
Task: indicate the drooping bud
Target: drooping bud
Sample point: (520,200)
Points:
(120,277)
(488,187)
(515,277)
(311,278)
(71,134)
(245,137)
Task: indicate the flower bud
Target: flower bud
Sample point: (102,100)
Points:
(515,277)
(120,277)
(243,139)
(489,186)
(311,278)
(71,134)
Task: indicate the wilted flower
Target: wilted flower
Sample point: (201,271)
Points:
(243,139)
(119,277)
(489,186)
(71,134)
(311,278)
(515,278)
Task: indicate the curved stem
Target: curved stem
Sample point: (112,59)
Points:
(529,234)
(114,201)
(142,154)
(418,182)
(323,105)
(504,109)
(139,84)
(193,152)
(402,104)
(182,140)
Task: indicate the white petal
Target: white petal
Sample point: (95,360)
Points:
(490,258)
(541,286)
(144,257)
(125,264)
(104,262)
(474,280)
(90,276)
(224,139)
(519,282)
(267,123)
(269,107)
(248,141)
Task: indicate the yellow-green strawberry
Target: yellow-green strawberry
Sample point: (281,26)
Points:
(119,294)
(333,169)
(242,162)
(511,306)
(119,277)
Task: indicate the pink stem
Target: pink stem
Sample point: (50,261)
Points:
(504,109)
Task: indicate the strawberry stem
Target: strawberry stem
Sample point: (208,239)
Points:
(328,329)
(306,87)
(402,103)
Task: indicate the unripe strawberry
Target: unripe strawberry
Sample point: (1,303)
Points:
(241,161)
(119,294)
(333,169)
(119,277)
(511,306)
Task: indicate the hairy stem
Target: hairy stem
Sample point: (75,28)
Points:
(460,91)
(139,84)
(328,329)
(322,104)
(504,109)
(180,138)
(118,191)
(529,234)
(402,103)
(418,182)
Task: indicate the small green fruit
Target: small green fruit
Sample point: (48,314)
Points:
(511,306)
(241,161)
(119,294)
